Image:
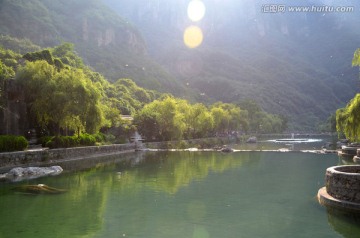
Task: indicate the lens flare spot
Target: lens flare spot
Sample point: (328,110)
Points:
(196,10)
(193,36)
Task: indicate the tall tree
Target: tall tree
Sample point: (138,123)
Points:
(348,119)
(67,98)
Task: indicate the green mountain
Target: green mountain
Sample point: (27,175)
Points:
(107,42)
(294,64)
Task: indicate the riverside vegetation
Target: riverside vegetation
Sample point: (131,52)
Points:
(64,97)
(348,118)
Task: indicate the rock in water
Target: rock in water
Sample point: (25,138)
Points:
(252,139)
(18,173)
(227,150)
(38,189)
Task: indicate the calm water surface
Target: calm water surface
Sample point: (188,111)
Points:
(182,194)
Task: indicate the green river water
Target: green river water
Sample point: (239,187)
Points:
(181,194)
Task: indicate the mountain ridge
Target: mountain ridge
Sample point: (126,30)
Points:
(297,65)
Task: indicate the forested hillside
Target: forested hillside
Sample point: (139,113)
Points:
(51,93)
(106,41)
(294,64)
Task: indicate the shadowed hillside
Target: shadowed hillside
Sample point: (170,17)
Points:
(296,64)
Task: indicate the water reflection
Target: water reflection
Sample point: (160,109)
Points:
(346,224)
(56,215)
(80,211)
(169,171)
(177,194)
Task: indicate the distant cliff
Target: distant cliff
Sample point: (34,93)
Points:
(293,63)
(50,22)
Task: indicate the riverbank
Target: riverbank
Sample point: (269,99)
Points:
(45,156)
(49,156)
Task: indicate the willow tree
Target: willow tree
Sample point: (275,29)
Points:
(348,118)
(5,74)
(202,121)
(221,119)
(356,58)
(65,98)
(229,117)
(78,102)
(37,81)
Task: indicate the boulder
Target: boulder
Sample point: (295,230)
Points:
(227,150)
(18,173)
(252,139)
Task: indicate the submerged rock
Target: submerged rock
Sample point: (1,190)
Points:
(38,189)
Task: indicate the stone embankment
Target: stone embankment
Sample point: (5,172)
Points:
(38,157)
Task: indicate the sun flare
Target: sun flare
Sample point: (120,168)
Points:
(196,10)
(193,36)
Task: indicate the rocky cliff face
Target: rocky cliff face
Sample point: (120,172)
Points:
(108,35)
(83,22)
(235,19)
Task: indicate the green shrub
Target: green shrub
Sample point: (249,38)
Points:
(100,137)
(110,138)
(10,143)
(87,140)
(44,140)
(182,144)
(63,142)
(72,141)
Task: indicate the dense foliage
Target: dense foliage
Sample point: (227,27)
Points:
(261,121)
(348,118)
(10,143)
(74,141)
(63,96)
(170,118)
(8,64)
(20,45)
(67,99)
(107,42)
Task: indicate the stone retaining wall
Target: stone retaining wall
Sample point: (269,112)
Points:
(21,158)
(343,183)
(38,157)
